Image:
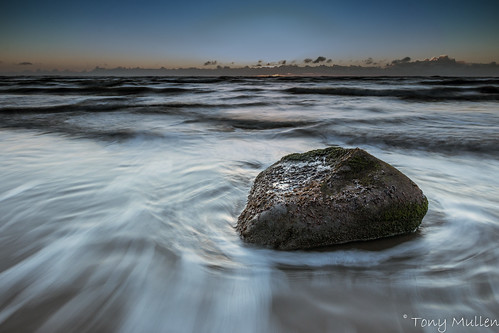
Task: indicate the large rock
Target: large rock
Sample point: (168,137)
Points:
(330,196)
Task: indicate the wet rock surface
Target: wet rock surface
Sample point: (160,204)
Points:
(329,196)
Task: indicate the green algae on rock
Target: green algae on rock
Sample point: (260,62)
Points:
(330,196)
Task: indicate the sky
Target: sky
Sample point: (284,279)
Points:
(80,35)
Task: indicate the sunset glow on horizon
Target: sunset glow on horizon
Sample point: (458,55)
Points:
(154,34)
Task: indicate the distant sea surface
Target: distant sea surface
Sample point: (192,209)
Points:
(119,197)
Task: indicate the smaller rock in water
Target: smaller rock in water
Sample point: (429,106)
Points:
(330,196)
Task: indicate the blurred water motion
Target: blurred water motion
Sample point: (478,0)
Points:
(119,198)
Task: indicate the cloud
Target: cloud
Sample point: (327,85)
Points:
(401,61)
(319,59)
(443,59)
(440,65)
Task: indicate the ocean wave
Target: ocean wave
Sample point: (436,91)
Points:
(486,93)
(248,123)
(58,126)
(65,108)
(383,133)
(97,90)
(448,145)
(251,90)
(93,106)
(379,131)
(207,80)
(460,81)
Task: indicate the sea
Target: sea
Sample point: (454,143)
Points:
(119,198)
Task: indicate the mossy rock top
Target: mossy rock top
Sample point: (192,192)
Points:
(329,196)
